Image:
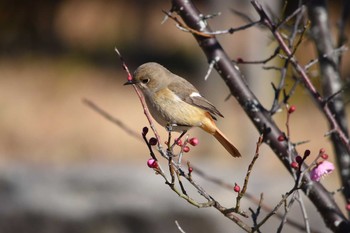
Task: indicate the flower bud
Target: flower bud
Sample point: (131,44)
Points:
(144,131)
(153,141)
(151,163)
(236,188)
(307,153)
(240,60)
(299,159)
(178,142)
(291,109)
(294,165)
(186,149)
(348,207)
(281,138)
(194,141)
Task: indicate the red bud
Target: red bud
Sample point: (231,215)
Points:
(236,188)
(151,163)
(294,165)
(186,149)
(194,141)
(292,109)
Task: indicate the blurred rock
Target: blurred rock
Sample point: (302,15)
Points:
(89,199)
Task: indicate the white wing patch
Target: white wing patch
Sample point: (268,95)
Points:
(195,94)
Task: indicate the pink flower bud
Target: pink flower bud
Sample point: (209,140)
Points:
(294,165)
(190,169)
(178,142)
(292,109)
(194,141)
(281,138)
(236,188)
(348,207)
(322,150)
(151,163)
(240,60)
(186,149)
(324,156)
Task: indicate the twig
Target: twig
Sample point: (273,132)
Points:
(184,27)
(263,61)
(337,51)
(110,118)
(141,98)
(269,215)
(250,168)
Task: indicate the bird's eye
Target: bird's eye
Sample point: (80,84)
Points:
(145,81)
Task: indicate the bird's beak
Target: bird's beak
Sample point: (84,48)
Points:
(129,82)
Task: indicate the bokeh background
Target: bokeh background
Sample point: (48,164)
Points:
(64,168)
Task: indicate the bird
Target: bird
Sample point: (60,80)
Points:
(176,104)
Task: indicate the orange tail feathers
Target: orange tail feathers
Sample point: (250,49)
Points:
(226,143)
(209,126)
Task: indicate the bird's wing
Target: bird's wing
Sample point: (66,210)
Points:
(188,93)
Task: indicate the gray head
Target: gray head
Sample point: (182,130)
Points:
(151,76)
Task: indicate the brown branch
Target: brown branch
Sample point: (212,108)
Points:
(331,84)
(250,168)
(112,119)
(259,116)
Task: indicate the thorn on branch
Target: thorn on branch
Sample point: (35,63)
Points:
(210,16)
(211,66)
(331,97)
(179,227)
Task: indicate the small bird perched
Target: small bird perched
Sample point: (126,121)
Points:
(176,104)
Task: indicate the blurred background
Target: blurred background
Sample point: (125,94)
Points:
(64,168)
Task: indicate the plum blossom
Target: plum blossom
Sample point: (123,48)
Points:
(321,170)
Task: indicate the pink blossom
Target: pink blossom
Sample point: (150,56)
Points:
(321,170)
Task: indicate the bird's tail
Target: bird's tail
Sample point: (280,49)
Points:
(226,143)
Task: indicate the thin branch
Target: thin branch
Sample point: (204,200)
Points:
(112,119)
(263,61)
(250,168)
(184,27)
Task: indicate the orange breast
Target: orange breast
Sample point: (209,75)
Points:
(166,107)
